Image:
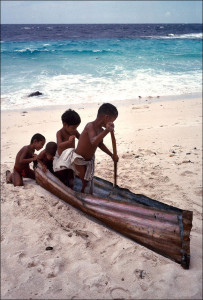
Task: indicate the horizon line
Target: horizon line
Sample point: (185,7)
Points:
(97,23)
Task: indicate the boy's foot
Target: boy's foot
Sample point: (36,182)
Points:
(8,174)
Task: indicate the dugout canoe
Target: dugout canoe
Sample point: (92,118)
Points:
(162,228)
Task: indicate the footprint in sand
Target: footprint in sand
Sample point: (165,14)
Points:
(198,192)
(150,257)
(22,258)
(71,225)
(49,237)
(119,293)
(186,173)
(56,267)
(164,179)
(54,203)
(60,206)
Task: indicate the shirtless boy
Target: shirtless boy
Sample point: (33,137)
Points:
(66,139)
(92,137)
(66,135)
(23,158)
(46,156)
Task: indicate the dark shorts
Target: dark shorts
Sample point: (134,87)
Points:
(23,172)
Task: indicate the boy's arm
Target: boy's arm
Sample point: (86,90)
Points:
(77,134)
(40,156)
(23,160)
(96,139)
(40,159)
(63,145)
(107,151)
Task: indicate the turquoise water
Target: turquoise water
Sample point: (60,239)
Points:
(99,70)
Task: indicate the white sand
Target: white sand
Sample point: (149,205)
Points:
(159,145)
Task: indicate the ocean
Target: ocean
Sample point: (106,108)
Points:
(71,64)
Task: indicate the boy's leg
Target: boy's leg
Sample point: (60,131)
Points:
(17,178)
(29,174)
(70,177)
(62,176)
(81,173)
(84,184)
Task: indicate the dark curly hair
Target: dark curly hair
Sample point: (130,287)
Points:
(51,148)
(38,137)
(71,117)
(108,109)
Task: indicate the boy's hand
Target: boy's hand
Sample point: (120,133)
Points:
(71,138)
(110,126)
(34,157)
(115,158)
(44,168)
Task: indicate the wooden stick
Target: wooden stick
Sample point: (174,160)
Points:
(114,155)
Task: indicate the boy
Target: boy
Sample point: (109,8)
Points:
(81,159)
(66,135)
(66,139)
(92,137)
(23,158)
(46,156)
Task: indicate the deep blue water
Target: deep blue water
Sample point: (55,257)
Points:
(98,63)
(41,32)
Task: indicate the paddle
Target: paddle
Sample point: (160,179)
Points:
(115,156)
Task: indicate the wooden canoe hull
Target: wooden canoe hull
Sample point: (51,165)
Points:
(162,228)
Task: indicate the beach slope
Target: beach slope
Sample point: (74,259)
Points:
(49,250)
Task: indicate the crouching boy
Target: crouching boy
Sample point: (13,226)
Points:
(23,158)
(46,156)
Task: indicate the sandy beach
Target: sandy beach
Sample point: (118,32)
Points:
(160,155)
